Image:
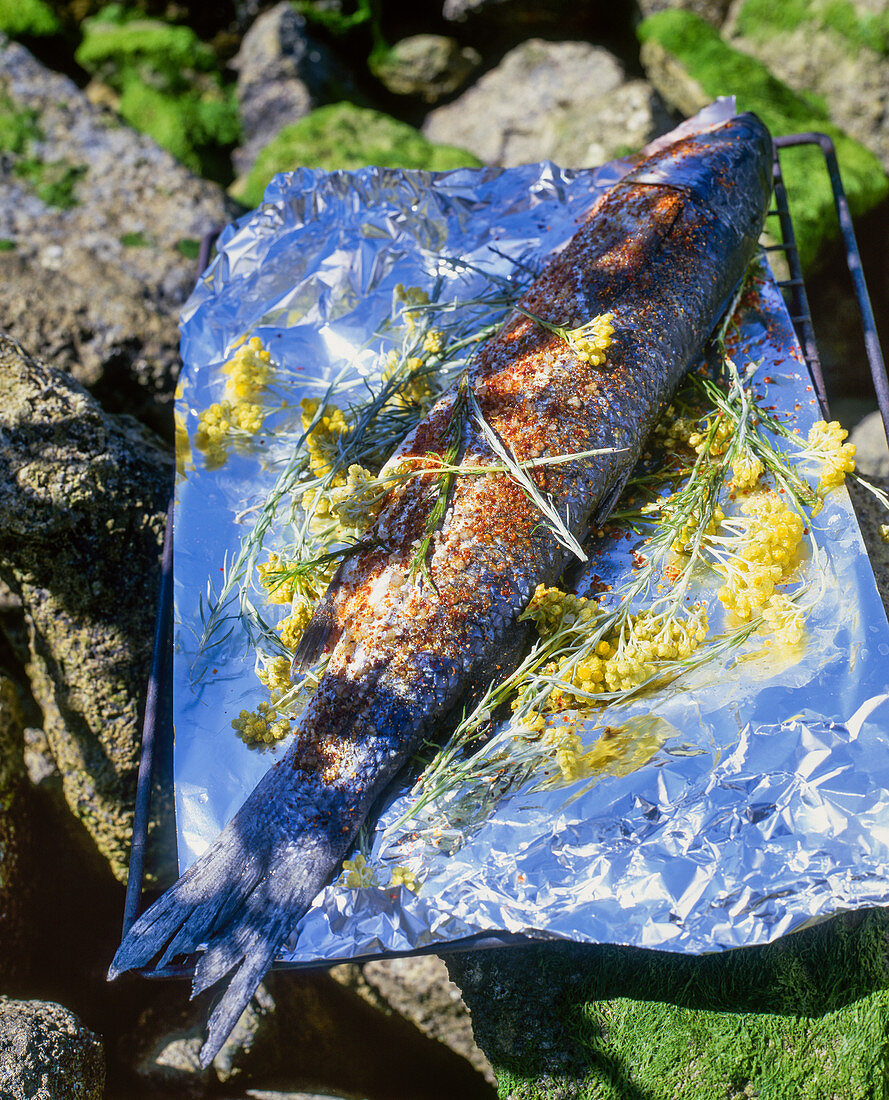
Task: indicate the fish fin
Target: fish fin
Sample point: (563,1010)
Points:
(240,900)
(323,628)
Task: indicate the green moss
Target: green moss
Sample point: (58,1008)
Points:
(18,126)
(345,136)
(721,70)
(7,245)
(27,17)
(53,182)
(189,248)
(760,19)
(170,86)
(135,240)
(806,1017)
(195,127)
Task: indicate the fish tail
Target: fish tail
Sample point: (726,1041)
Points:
(236,905)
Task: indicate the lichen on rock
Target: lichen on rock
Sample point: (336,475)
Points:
(82,506)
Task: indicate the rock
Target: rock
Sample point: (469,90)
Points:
(47,1054)
(688,62)
(291,1037)
(872,516)
(817,51)
(501,24)
(345,136)
(431,66)
(14,836)
(102,229)
(282,76)
(82,508)
(714,11)
(551,100)
(872,453)
(418,988)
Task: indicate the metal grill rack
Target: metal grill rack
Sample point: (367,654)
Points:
(155,763)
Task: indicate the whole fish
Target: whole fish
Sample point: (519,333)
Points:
(663,252)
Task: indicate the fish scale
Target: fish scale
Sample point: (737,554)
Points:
(663,251)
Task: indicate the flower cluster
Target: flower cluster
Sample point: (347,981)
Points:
(783,619)
(323,441)
(249,371)
(551,608)
(589,342)
(356,503)
(240,412)
(746,470)
(721,440)
(628,655)
(760,557)
(276,677)
(261,726)
(293,627)
(414,390)
(825,442)
(358,872)
(411,296)
(685,538)
(672,432)
(275,580)
(617,751)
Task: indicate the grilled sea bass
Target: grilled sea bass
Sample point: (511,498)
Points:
(662,252)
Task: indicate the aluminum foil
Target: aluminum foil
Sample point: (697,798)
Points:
(766,804)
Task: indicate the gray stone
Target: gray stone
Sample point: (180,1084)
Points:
(282,76)
(564,101)
(672,80)
(872,453)
(47,1054)
(427,65)
(98,285)
(82,507)
(714,11)
(418,989)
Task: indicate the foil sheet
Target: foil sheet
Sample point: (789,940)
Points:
(766,805)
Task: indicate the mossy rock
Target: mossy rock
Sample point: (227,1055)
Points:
(27,18)
(678,45)
(169,84)
(759,19)
(345,136)
(806,1017)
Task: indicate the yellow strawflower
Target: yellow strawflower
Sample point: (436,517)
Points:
(764,556)
(262,726)
(352,504)
(837,458)
(746,470)
(402,876)
(589,342)
(293,628)
(323,440)
(783,619)
(358,872)
(551,608)
(249,371)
